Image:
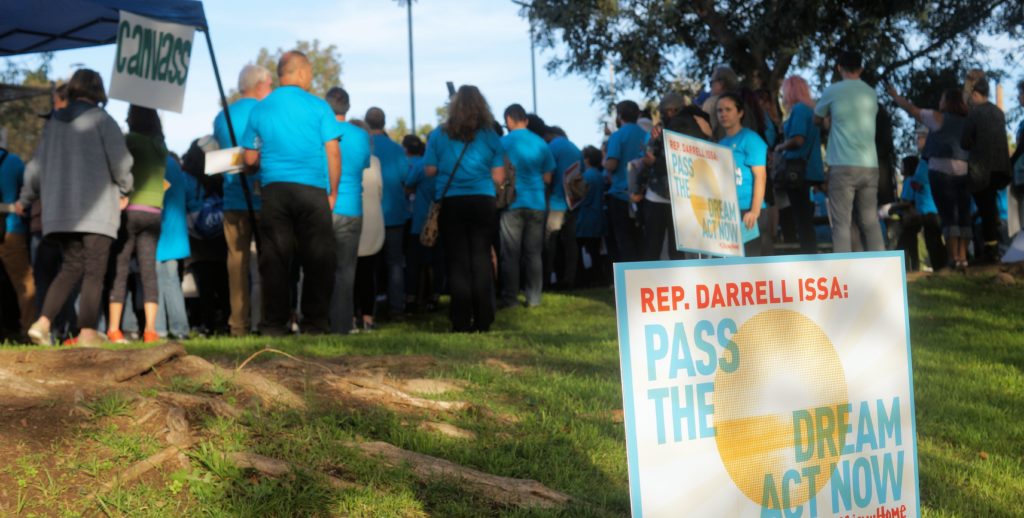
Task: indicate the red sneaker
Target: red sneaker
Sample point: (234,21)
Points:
(116,337)
(150,337)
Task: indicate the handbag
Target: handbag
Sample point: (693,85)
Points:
(506,191)
(788,173)
(430,231)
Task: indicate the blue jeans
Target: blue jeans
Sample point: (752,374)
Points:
(394,240)
(346,248)
(522,246)
(170,315)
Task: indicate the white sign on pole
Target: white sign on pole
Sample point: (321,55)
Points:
(702,188)
(151,64)
(768,387)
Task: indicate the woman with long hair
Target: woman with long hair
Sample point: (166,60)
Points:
(83,169)
(467,157)
(947,168)
(801,147)
(140,221)
(751,156)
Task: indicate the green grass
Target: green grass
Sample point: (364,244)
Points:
(968,348)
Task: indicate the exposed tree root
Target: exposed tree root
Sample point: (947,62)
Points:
(141,361)
(502,490)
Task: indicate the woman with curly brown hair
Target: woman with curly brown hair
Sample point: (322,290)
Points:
(467,157)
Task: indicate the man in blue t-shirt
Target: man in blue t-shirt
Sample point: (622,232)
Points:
(848,110)
(348,211)
(14,247)
(626,144)
(522,224)
(254,83)
(292,138)
(560,249)
(394,166)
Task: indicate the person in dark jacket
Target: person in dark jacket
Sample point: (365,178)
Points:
(984,138)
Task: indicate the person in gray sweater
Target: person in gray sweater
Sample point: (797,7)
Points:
(82,168)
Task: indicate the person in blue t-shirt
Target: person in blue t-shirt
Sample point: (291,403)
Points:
(921,215)
(801,141)
(468,206)
(522,224)
(254,84)
(591,221)
(628,143)
(560,248)
(394,167)
(750,154)
(348,211)
(172,247)
(14,247)
(292,138)
(421,259)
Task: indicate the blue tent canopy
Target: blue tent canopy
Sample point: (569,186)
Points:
(28,26)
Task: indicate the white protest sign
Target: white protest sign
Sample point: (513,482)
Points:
(768,387)
(702,189)
(224,161)
(152,62)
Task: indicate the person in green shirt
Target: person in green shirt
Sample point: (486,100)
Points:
(140,221)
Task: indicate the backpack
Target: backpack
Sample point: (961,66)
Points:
(576,188)
(209,223)
(506,192)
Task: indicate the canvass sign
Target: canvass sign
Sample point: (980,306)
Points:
(152,61)
(702,188)
(768,387)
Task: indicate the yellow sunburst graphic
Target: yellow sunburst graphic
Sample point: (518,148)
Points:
(787,363)
(704,186)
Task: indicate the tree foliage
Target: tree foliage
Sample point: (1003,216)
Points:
(401,129)
(653,42)
(22,118)
(326,63)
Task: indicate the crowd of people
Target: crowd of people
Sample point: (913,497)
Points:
(331,223)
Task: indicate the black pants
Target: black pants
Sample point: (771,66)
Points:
(599,273)
(467,226)
(560,249)
(365,286)
(803,215)
(424,275)
(624,230)
(932,239)
(45,267)
(657,221)
(985,199)
(85,260)
(296,225)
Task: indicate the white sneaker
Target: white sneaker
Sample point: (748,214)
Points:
(39,334)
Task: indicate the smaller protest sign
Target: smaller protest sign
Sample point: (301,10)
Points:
(702,189)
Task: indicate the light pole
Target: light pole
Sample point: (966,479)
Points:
(412,80)
(533,68)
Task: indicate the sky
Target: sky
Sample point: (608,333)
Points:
(482,43)
(485,43)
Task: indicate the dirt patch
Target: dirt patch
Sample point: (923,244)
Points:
(94,420)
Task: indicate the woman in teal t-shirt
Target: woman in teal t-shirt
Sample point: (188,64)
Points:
(750,153)
(469,217)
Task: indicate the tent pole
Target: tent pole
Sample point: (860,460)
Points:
(234,142)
